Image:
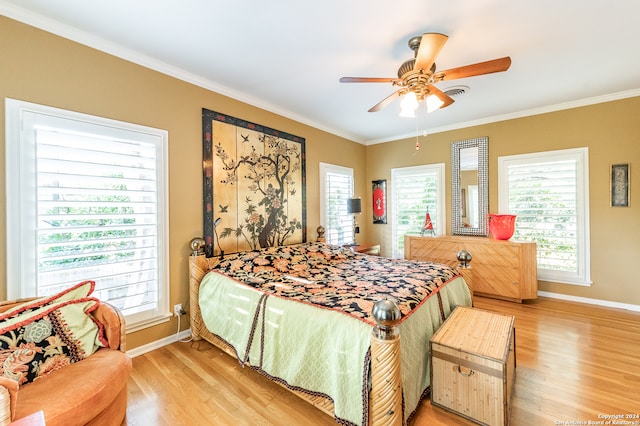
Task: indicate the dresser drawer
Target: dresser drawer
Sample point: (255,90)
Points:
(492,279)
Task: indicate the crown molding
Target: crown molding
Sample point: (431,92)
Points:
(525,113)
(82,37)
(47,24)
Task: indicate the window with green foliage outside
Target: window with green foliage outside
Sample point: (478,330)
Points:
(86,201)
(416,191)
(548,192)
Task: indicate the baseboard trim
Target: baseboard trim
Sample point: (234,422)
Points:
(589,301)
(141,350)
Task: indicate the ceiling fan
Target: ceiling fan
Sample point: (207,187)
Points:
(417,76)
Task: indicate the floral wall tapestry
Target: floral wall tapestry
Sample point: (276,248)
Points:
(254,185)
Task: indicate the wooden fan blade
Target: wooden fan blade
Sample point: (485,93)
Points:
(386,101)
(448,100)
(488,67)
(430,47)
(367,80)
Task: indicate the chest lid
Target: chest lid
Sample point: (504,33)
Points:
(476,331)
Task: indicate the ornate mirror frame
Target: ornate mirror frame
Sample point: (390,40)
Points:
(457,227)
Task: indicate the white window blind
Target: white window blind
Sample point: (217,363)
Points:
(548,192)
(95,191)
(336,186)
(416,191)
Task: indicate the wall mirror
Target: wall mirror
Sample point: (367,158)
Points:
(469,186)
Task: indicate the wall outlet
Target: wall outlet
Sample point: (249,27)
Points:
(177,310)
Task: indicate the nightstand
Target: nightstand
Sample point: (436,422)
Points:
(367,248)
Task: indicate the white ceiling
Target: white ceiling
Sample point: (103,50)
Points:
(287,55)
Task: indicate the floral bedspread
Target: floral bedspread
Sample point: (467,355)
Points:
(336,278)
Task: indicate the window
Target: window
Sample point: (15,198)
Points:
(549,193)
(416,191)
(86,199)
(336,186)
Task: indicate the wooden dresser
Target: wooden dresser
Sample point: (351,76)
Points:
(501,269)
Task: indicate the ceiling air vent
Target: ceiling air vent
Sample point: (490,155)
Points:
(456,91)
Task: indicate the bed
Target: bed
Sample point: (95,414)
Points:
(302,316)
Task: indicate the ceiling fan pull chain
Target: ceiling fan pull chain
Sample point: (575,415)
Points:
(417,134)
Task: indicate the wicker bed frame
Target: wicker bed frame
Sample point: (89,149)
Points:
(385,397)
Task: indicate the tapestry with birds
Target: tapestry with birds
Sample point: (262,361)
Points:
(254,185)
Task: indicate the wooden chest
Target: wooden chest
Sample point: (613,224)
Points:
(473,359)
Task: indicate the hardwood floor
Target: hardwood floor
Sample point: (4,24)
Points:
(574,363)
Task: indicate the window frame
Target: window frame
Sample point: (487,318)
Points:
(20,175)
(582,277)
(440,228)
(326,168)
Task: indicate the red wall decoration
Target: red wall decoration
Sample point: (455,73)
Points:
(379,188)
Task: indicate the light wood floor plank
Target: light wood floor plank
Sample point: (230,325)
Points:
(574,363)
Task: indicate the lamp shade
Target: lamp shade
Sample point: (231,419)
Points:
(408,105)
(354,205)
(433,103)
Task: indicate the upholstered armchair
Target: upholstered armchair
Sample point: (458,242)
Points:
(90,391)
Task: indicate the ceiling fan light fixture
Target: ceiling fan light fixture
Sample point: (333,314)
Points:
(433,103)
(408,105)
(417,77)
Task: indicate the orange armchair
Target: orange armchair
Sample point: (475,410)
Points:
(89,392)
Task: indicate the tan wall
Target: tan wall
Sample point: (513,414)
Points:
(45,69)
(610,130)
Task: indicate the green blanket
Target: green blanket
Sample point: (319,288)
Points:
(319,350)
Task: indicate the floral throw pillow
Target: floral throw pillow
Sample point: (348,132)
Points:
(39,342)
(78,291)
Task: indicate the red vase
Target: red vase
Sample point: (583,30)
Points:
(501,226)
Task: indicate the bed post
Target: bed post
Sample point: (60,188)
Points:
(199,265)
(464,257)
(385,400)
(197,269)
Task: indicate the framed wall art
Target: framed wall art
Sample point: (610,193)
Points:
(254,185)
(379,190)
(620,185)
